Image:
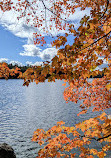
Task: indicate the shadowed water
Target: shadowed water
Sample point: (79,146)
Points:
(24,109)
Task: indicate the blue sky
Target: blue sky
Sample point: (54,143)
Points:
(16,38)
(11,46)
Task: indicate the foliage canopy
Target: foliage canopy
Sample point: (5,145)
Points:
(74,63)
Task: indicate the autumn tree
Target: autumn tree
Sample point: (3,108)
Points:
(74,63)
(6,72)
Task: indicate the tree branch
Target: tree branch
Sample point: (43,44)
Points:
(104,11)
(95,138)
(91,44)
(95,41)
(53,12)
(88,137)
(103,137)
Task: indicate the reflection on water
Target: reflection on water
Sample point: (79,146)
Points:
(24,109)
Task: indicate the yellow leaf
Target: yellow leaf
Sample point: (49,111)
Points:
(64,84)
(102,116)
(93,151)
(108,86)
(61,123)
(109,61)
(107,26)
(101,154)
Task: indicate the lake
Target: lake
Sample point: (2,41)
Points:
(24,109)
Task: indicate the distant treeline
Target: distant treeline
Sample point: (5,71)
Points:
(22,68)
(10,71)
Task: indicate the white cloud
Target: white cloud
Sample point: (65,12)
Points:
(21,29)
(31,50)
(11,62)
(49,45)
(3,60)
(16,63)
(34,64)
(76,17)
(28,63)
(48,54)
(18,28)
(38,63)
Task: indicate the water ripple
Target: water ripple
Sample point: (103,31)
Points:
(23,110)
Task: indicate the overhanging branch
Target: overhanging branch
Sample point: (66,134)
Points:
(103,137)
(105,10)
(53,12)
(95,41)
(97,139)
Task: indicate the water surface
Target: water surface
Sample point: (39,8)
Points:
(24,109)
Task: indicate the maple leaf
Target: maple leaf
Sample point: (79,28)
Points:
(75,63)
